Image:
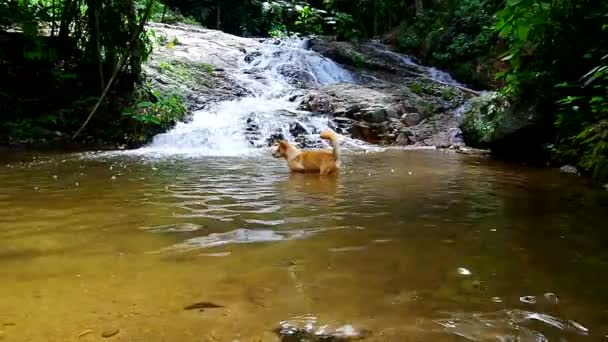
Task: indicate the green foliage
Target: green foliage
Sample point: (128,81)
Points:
(153,109)
(416,88)
(346,27)
(358,59)
(536,33)
(278,30)
(456,36)
(309,21)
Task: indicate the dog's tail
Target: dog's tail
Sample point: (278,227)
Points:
(333,138)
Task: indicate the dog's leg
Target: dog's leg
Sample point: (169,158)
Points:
(325,169)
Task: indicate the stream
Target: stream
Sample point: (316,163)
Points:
(203,236)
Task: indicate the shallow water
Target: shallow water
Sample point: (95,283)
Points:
(402,245)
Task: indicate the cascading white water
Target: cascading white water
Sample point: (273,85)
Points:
(236,127)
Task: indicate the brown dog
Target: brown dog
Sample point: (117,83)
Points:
(321,161)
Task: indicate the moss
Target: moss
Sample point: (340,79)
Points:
(416,88)
(358,59)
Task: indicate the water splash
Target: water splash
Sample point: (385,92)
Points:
(307,328)
(505,325)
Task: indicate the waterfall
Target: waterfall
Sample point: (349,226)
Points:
(240,126)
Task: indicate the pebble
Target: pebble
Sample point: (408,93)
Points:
(528,299)
(113,177)
(551,298)
(569,169)
(77,184)
(55,177)
(85,332)
(109,333)
(464,271)
(497,299)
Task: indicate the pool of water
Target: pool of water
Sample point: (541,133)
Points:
(400,246)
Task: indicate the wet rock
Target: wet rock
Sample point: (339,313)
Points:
(110,332)
(296,75)
(551,298)
(273,138)
(251,56)
(403,139)
(528,299)
(411,119)
(306,328)
(296,129)
(492,121)
(368,56)
(473,151)
(569,169)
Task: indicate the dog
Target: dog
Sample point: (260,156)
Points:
(322,161)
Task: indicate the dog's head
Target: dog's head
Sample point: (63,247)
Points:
(279,150)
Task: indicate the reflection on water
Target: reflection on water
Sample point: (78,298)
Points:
(400,246)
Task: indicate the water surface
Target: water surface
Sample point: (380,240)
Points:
(403,245)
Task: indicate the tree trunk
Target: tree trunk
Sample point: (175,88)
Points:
(162,18)
(53,24)
(136,47)
(419,8)
(218,22)
(102,80)
(64,27)
(375,9)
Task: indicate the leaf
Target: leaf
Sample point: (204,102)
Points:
(144,104)
(523,31)
(513,2)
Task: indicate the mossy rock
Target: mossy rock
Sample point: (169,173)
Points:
(492,118)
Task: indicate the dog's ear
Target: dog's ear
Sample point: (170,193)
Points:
(282,145)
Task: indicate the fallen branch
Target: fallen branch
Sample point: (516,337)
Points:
(119,66)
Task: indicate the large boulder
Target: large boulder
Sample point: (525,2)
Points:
(389,113)
(493,121)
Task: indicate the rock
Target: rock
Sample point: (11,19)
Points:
(274,138)
(605,186)
(404,139)
(473,151)
(368,56)
(202,45)
(411,119)
(569,169)
(85,332)
(296,76)
(251,56)
(296,129)
(491,121)
(306,328)
(110,332)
